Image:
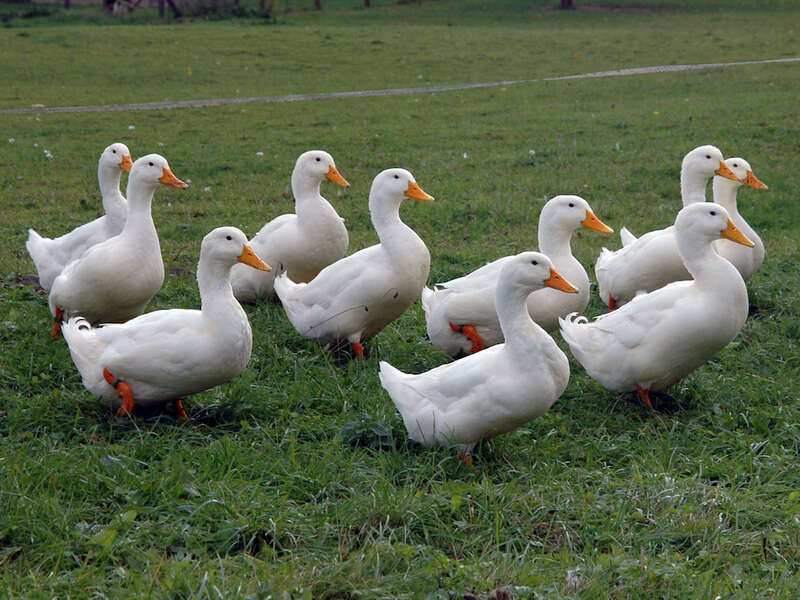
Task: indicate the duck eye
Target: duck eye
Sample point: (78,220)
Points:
(318,159)
(572,205)
(735,164)
(151,163)
(713,213)
(114,151)
(533,262)
(227,237)
(708,156)
(397,176)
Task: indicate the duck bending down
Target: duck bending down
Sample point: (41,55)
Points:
(114,280)
(304,242)
(166,355)
(660,337)
(50,256)
(652,260)
(499,389)
(746,260)
(354,298)
(460,315)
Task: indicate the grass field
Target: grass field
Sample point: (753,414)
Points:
(297,480)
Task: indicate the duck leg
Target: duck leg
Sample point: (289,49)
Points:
(58,319)
(471,334)
(358,349)
(612,303)
(123,389)
(179,408)
(644,396)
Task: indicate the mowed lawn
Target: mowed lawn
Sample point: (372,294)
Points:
(297,479)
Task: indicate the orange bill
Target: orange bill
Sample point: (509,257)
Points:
(557,282)
(592,222)
(733,234)
(415,192)
(754,182)
(725,171)
(169,179)
(336,177)
(249,257)
(126,164)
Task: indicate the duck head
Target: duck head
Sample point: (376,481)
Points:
(533,271)
(317,165)
(116,155)
(708,221)
(745,176)
(227,246)
(569,213)
(153,170)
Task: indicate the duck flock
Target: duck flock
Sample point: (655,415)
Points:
(676,297)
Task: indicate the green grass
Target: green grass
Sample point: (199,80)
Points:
(297,479)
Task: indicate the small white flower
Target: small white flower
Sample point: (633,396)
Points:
(465,155)
(188,181)
(48,154)
(617,146)
(36,145)
(131,126)
(11,140)
(169,204)
(207,188)
(161,144)
(259,153)
(532,152)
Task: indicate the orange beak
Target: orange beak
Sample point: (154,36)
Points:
(733,234)
(557,282)
(416,192)
(126,164)
(592,222)
(169,179)
(249,257)
(724,171)
(754,182)
(336,177)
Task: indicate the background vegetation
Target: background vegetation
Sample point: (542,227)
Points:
(296,480)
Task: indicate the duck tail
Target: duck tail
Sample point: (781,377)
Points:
(626,237)
(37,248)
(85,349)
(392,381)
(570,327)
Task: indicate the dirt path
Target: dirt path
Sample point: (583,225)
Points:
(373,93)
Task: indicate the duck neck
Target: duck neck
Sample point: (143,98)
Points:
(707,268)
(515,320)
(725,192)
(306,195)
(139,221)
(216,294)
(693,187)
(109,176)
(554,241)
(385,217)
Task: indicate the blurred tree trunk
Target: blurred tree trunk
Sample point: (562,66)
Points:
(566,5)
(366,3)
(162,8)
(67,3)
(317,4)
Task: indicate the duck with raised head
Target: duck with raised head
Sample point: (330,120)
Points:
(652,260)
(166,355)
(51,255)
(351,300)
(495,391)
(114,280)
(746,260)
(460,314)
(660,337)
(304,242)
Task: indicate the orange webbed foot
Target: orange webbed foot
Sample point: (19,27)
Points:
(179,408)
(471,334)
(123,389)
(358,349)
(644,396)
(58,319)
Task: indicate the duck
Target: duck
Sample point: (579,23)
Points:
(114,280)
(460,314)
(651,261)
(746,260)
(50,256)
(659,337)
(499,389)
(304,242)
(354,298)
(165,355)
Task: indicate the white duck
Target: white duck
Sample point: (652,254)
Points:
(304,242)
(114,280)
(51,255)
(652,261)
(660,337)
(461,317)
(354,298)
(746,260)
(167,355)
(499,389)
